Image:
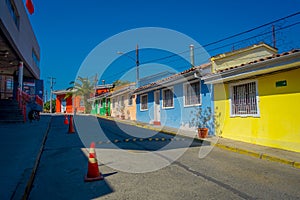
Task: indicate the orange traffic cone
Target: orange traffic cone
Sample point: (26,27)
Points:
(66,121)
(71,126)
(93,173)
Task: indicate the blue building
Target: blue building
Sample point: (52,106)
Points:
(174,100)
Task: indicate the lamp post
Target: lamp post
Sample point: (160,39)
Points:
(137,63)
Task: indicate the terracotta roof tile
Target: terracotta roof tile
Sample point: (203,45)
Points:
(173,77)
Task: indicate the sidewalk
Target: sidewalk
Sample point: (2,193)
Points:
(258,151)
(21,145)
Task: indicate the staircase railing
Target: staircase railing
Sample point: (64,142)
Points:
(23,98)
(38,100)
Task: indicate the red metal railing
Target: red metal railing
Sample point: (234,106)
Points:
(23,98)
(38,100)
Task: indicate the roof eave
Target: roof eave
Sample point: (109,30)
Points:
(264,67)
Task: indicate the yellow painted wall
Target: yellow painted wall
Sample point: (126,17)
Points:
(130,111)
(279,121)
(239,57)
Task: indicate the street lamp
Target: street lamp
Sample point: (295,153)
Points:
(137,63)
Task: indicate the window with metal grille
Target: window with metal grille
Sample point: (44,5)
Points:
(192,94)
(144,102)
(130,99)
(113,103)
(122,101)
(244,99)
(168,98)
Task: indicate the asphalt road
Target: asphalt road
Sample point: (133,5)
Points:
(170,175)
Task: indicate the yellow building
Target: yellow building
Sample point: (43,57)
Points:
(123,102)
(257,92)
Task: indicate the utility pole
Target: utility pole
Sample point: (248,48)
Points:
(137,62)
(46,95)
(273,36)
(52,82)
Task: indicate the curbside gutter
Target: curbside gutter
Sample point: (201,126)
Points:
(37,161)
(262,156)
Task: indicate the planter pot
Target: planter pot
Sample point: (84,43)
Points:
(202,132)
(122,116)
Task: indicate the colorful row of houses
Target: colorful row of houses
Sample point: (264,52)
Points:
(251,94)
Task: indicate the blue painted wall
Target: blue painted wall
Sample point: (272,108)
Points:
(179,115)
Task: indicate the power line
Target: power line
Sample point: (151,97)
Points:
(224,39)
(250,30)
(240,41)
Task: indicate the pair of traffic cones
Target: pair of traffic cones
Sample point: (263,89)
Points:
(93,173)
(71,124)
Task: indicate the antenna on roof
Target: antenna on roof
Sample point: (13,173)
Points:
(192,55)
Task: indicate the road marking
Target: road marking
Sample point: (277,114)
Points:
(141,140)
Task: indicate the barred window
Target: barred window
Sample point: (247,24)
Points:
(192,94)
(144,102)
(122,101)
(244,99)
(130,100)
(168,98)
(114,103)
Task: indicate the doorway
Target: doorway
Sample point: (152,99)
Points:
(157,107)
(6,87)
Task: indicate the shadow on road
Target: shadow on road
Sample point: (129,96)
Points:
(62,168)
(119,133)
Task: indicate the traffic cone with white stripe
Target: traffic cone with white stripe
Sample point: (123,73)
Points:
(93,173)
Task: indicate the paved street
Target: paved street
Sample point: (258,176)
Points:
(221,175)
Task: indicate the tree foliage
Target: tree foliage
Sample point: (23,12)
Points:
(47,106)
(84,88)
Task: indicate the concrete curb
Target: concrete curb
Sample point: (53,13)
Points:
(37,161)
(262,156)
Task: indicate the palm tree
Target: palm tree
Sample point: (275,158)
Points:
(83,88)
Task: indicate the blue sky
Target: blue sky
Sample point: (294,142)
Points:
(68,30)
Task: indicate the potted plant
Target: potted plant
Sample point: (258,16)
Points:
(202,120)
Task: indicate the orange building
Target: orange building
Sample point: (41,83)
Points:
(67,105)
(75,103)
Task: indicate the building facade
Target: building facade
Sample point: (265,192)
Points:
(19,57)
(68,104)
(100,102)
(123,102)
(173,101)
(258,96)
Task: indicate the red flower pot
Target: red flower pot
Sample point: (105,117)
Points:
(202,132)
